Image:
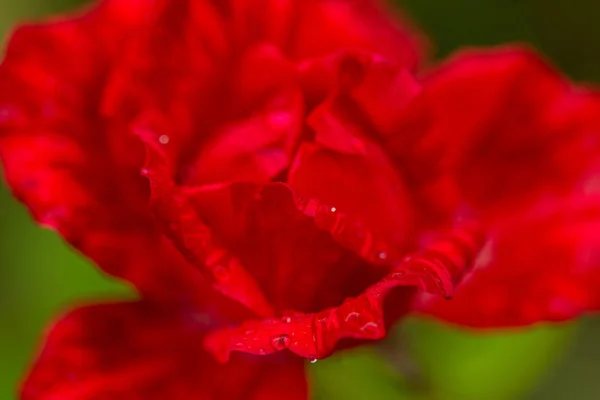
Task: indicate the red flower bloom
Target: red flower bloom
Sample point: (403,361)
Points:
(304,190)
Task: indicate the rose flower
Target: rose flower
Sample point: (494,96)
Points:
(277,185)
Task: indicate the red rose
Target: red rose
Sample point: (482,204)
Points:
(303,188)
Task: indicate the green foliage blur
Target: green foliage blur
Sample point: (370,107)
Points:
(41,277)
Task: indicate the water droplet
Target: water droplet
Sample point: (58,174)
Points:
(280,342)
(164,139)
(312,359)
(333,209)
(144,172)
(262,352)
(352,316)
(286,319)
(369,327)
(382,255)
(397,275)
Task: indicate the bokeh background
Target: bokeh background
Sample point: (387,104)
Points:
(40,276)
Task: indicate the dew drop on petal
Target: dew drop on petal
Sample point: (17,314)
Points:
(382,255)
(333,209)
(371,327)
(144,171)
(164,139)
(286,319)
(262,352)
(312,359)
(352,316)
(280,342)
(397,275)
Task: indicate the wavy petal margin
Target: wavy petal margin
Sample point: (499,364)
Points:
(543,265)
(436,269)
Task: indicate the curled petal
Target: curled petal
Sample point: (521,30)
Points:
(435,269)
(140,350)
(542,265)
(191,236)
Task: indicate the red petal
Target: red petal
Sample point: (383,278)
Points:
(259,147)
(345,167)
(297,264)
(314,28)
(499,129)
(73,171)
(543,265)
(139,350)
(436,269)
(326,27)
(228,112)
(173,73)
(192,237)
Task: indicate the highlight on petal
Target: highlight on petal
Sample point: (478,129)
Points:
(541,265)
(436,269)
(497,129)
(140,350)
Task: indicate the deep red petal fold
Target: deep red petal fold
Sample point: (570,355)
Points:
(191,236)
(436,269)
(296,259)
(139,350)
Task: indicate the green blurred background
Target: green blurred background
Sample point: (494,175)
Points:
(40,276)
